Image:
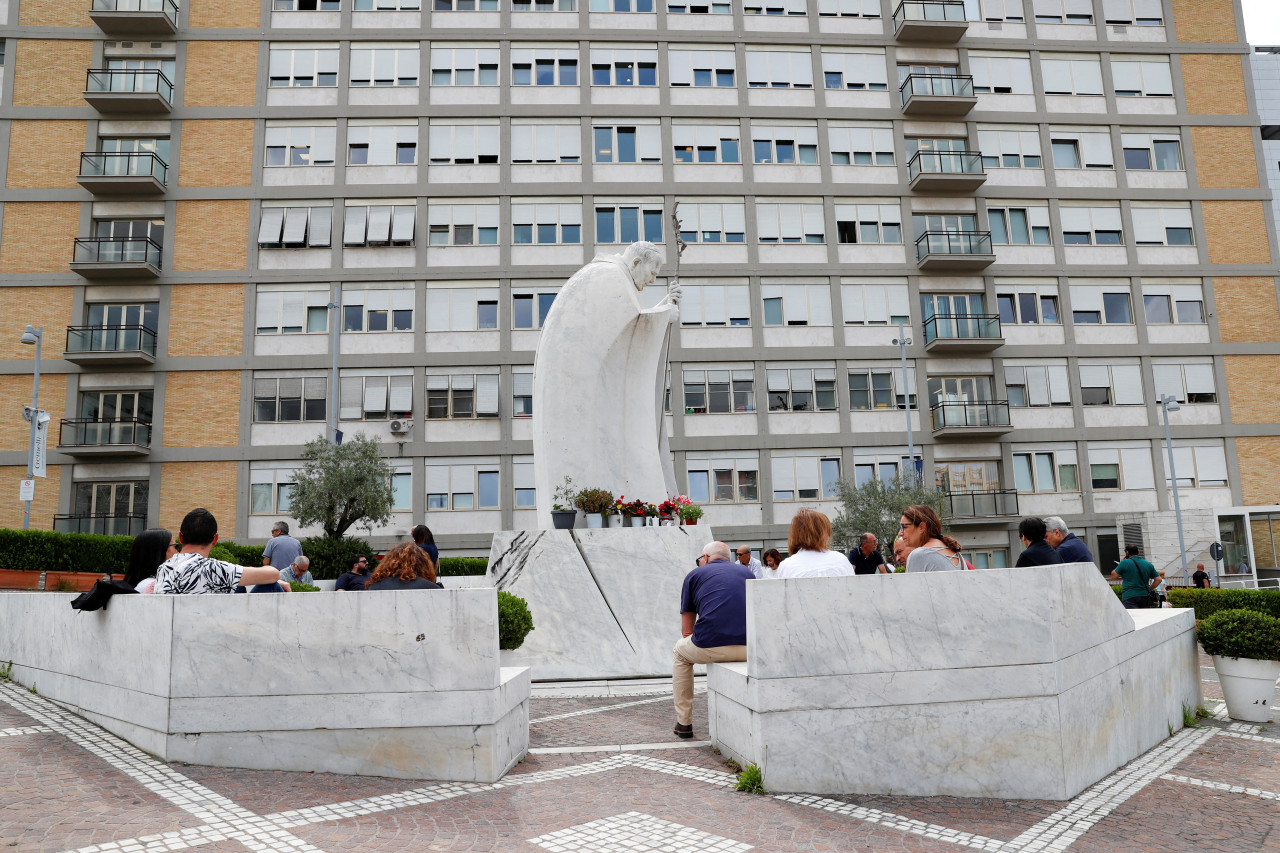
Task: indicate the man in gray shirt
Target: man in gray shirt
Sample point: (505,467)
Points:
(283,549)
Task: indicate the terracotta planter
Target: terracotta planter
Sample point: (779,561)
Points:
(19,579)
(78,581)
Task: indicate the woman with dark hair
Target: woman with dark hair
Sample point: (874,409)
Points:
(772,559)
(809,542)
(404,567)
(150,548)
(932,551)
(423,539)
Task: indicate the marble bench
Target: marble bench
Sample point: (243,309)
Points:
(1011,683)
(403,684)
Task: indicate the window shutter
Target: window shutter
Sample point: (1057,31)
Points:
(522,383)
(1095,148)
(1128,384)
(1211,464)
(522,142)
(819,304)
(401,394)
(1038,386)
(1177,217)
(438,311)
(295,224)
(811,215)
(790,221)
(487,394)
(437,479)
(545,146)
(522,475)
(438,382)
(380,223)
(1106,218)
(713,304)
(1087,72)
(1077,219)
(649,142)
(1094,376)
(1117,11)
(354,228)
(802,380)
(318,234)
(268,313)
(352,389)
(683,135)
(440,143)
(1056,73)
(1168,380)
(269,228)
(375,394)
(784,473)
(1156,78)
(403,223)
(1126,76)
(795,304)
(462,317)
(1136,465)
(1148,225)
(779,380)
(293,313)
(735,217)
(807,476)
(801,68)
(739,300)
(680,63)
(1199,378)
(757,67)
(766,221)
(1059,387)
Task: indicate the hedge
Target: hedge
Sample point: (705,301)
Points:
(1207,602)
(329,556)
(46,551)
(458,566)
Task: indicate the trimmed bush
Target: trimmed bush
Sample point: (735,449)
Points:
(329,556)
(459,566)
(46,551)
(242,555)
(1241,634)
(514,620)
(299,586)
(1207,602)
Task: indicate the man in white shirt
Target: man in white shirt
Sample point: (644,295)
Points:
(744,557)
(192,571)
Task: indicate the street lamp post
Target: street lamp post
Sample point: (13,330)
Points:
(1170,404)
(32,335)
(903,342)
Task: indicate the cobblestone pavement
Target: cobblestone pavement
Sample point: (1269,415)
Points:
(605,774)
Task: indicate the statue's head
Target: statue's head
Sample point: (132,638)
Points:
(643,260)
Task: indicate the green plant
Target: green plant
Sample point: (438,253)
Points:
(1189,717)
(342,485)
(564,495)
(1202,712)
(47,551)
(1241,634)
(734,767)
(876,506)
(594,501)
(751,780)
(299,586)
(6,672)
(32,688)
(1170,726)
(461,566)
(65,585)
(244,555)
(329,556)
(514,620)
(691,512)
(1207,602)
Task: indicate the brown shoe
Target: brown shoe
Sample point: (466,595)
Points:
(684,730)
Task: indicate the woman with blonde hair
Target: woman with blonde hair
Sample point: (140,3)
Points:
(932,551)
(808,543)
(405,566)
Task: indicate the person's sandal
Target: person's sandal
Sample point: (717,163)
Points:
(684,730)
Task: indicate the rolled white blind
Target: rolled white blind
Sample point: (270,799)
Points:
(1199,378)
(268,313)
(319,234)
(269,227)
(351,391)
(487,394)
(784,474)
(1127,379)
(522,383)
(1136,465)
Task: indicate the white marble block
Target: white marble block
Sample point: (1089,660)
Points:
(605,603)
(405,684)
(1011,683)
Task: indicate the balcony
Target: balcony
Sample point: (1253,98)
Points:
(135,17)
(962,333)
(954,250)
(116,257)
(91,345)
(937,95)
(103,437)
(992,507)
(957,419)
(946,171)
(937,21)
(123,173)
(140,91)
(102,525)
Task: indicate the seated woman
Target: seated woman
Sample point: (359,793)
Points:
(150,548)
(404,567)
(771,559)
(931,550)
(808,541)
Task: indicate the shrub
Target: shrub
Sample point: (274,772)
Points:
(299,586)
(1241,634)
(223,553)
(514,620)
(459,566)
(244,555)
(751,780)
(1207,602)
(595,501)
(329,556)
(47,551)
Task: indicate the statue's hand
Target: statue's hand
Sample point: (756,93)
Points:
(672,300)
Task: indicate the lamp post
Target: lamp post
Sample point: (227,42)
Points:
(1170,404)
(32,335)
(903,342)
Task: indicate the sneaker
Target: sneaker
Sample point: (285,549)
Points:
(684,730)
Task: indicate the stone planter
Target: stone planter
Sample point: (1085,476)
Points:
(615,519)
(564,519)
(1248,686)
(595,520)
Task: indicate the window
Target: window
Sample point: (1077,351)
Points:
(529,310)
(943,223)
(880,388)
(882,465)
(849,8)
(1046,471)
(857,70)
(110,500)
(702,67)
(868,223)
(271,490)
(375,398)
(963,307)
(1113,467)
(1010,148)
(724,479)
(463,144)
(116,406)
(1159,151)
(1071,74)
(379,225)
(1186,382)
(712,222)
(796,304)
(546,143)
(1141,13)
(462,396)
(779,69)
(464,66)
(853,145)
(385,65)
(377,310)
(462,486)
(1098,226)
(522,392)
(1037,385)
(1076,12)
(462,224)
(387,5)
(522,475)
(288,399)
(305,5)
(303,66)
(621,5)
(461,309)
(875,304)
(1028,304)
(116,326)
(988,558)
(1000,74)
(159,146)
(705,143)
(302,145)
(1146,77)
(784,144)
(292,312)
(802,389)
(1196,464)
(1080,149)
(382,144)
(959,389)
(775,7)
(789,223)
(628,223)
(1111,384)
(1105,304)
(719,391)
(544,66)
(1000,10)
(715,305)
(1173,303)
(634,143)
(402,491)
(698,7)
(967,477)
(295,227)
(624,67)
(805,478)
(544,6)
(1162,226)
(546,224)
(131,239)
(1021,226)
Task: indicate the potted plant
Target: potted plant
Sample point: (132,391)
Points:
(682,504)
(651,515)
(690,513)
(563,515)
(668,513)
(596,503)
(633,511)
(616,517)
(1245,646)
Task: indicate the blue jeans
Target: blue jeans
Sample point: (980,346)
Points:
(262,587)
(1138,602)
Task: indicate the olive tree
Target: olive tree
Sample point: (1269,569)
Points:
(876,506)
(341,485)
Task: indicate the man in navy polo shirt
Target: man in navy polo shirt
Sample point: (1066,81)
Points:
(713,624)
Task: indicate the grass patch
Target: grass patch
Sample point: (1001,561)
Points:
(1190,716)
(6,673)
(1202,712)
(751,780)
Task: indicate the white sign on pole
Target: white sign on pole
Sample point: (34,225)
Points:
(42,442)
(27,490)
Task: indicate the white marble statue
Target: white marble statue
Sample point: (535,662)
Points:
(598,382)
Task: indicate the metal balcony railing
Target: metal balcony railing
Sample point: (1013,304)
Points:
(117,250)
(945,163)
(123,164)
(962,414)
(102,525)
(962,327)
(146,81)
(168,7)
(953,243)
(1000,502)
(98,432)
(111,339)
(936,86)
(928,10)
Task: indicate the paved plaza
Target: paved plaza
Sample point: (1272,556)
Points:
(604,774)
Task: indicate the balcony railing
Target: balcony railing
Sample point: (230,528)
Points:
(99,432)
(117,250)
(945,163)
(981,415)
(111,339)
(936,86)
(955,243)
(123,164)
(951,11)
(145,90)
(127,17)
(1002,502)
(963,327)
(102,525)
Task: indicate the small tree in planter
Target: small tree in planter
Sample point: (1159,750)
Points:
(563,515)
(1245,646)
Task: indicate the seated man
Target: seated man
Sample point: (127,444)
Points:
(299,571)
(356,575)
(192,571)
(1037,551)
(713,624)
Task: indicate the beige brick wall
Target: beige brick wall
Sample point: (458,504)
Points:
(1247,309)
(53,13)
(216,153)
(1251,388)
(187,485)
(1214,84)
(37,236)
(221,73)
(1225,157)
(45,153)
(202,408)
(224,13)
(1259,458)
(211,235)
(205,319)
(1236,232)
(1205,20)
(15,389)
(43,508)
(50,73)
(49,307)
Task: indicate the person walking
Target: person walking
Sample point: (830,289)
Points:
(1138,577)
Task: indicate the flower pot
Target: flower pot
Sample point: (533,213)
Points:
(564,519)
(650,521)
(689,521)
(1247,686)
(615,519)
(668,522)
(595,520)
(637,520)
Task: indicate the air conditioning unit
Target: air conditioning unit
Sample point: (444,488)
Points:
(401,427)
